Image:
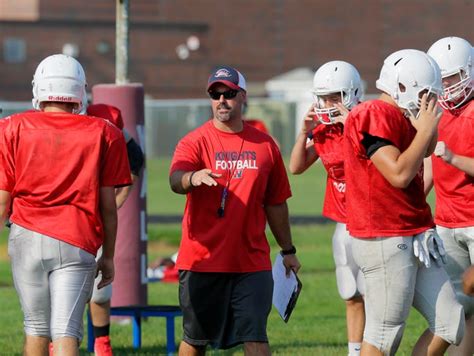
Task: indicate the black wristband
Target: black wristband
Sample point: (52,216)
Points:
(191,179)
(291,251)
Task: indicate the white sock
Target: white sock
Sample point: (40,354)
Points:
(354,348)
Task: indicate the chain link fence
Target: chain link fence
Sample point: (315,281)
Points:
(166,121)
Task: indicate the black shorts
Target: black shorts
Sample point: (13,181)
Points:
(225,309)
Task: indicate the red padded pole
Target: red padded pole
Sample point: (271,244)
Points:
(130,284)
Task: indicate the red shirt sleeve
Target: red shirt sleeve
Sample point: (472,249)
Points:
(278,187)
(115,170)
(375,120)
(7,175)
(186,156)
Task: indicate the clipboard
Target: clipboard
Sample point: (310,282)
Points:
(286,290)
(294,297)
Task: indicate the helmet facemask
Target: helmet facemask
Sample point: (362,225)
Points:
(413,108)
(456,94)
(341,82)
(327,116)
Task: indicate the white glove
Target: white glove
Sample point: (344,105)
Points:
(441,150)
(428,245)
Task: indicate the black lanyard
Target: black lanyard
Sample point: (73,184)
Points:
(230,174)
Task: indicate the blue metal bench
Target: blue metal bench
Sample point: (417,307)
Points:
(136,312)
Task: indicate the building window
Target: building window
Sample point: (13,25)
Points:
(14,50)
(23,10)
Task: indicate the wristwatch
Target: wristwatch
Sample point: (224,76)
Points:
(291,251)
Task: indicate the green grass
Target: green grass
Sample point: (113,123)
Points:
(317,326)
(160,198)
(308,191)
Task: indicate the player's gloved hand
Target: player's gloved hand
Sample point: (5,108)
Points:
(427,245)
(443,151)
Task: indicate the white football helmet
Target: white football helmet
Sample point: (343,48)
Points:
(59,78)
(336,77)
(405,74)
(85,103)
(454,55)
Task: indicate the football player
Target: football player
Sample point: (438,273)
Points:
(337,89)
(395,243)
(453,169)
(59,170)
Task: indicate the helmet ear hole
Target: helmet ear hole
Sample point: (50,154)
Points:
(402,88)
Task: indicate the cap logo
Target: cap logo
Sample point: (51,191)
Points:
(222,73)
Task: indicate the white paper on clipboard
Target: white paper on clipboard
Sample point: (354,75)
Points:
(285,289)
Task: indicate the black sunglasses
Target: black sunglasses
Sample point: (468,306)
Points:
(229,94)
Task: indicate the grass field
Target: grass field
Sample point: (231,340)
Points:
(317,326)
(308,190)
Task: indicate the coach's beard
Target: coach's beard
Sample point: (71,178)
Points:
(223,112)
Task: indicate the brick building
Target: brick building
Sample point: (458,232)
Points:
(263,38)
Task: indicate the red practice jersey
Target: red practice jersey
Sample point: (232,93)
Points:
(328,143)
(252,163)
(374,207)
(107,112)
(53,166)
(258,124)
(454,188)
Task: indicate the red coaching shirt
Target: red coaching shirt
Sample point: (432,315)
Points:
(374,207)
(252,163)
(454,188)
(328,143)
(53,166)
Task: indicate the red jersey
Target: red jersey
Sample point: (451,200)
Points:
(328,143)
(375,207)
(53,166)
(454,188)
(251,162)
(107,112)
(258,124)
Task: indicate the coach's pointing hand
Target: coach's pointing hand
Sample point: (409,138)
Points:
(204,176)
